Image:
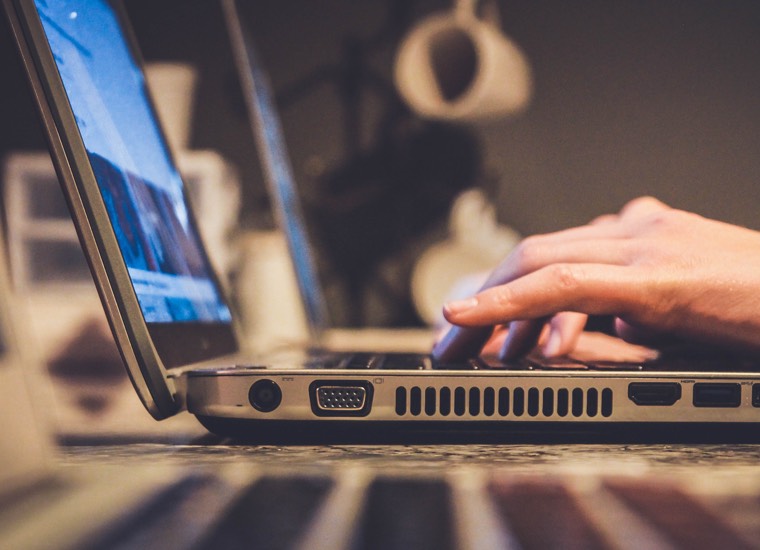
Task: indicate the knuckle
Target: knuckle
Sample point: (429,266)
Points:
(502,297)
(662,219)
(528,252)
(634,252)
(604,219)
(641,207)
(565,275)
(668,221)
(646,203)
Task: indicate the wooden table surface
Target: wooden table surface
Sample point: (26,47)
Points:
(540,495)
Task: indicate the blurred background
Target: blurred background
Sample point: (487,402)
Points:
(629,97)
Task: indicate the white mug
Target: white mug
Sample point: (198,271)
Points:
(270,306)
(172,86)
(454,65)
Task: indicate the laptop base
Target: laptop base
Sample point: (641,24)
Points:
(284,432)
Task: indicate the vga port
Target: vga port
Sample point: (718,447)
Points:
(350,398)
(341,397)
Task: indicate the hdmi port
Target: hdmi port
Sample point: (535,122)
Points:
(656,394)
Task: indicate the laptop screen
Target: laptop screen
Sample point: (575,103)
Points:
(265,122)
(139,182)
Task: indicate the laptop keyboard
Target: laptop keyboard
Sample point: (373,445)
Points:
(401,361)
(415,361)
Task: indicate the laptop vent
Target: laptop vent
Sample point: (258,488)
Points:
(506,402)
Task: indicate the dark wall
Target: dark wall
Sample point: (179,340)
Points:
(646,96)
(19,127)
(631,97)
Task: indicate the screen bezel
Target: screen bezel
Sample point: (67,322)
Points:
(149,350)
(282,192)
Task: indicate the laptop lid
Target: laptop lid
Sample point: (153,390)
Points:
(281,186)
(127,198)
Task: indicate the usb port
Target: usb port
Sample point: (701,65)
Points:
(714,394)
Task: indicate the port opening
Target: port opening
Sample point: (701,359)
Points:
(756,395)
(654,394)
(265,395)
(715,394)
(341,397)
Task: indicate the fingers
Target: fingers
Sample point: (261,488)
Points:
(535,255)
(584,288)
(556,338)
(604,240)
(605,219)
(521,338)
(579,288)
(607,240)
(564,330)
(577,271)
(642,206)
(639,335)
(495,342)
(461,342)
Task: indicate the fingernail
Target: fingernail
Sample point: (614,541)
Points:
(553,344)
(460,306)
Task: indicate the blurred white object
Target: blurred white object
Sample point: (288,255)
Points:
(455,66)
(42,243)
(270,306)
(172,86)
(50,273)
(458,266)
(43,247)
(214,188)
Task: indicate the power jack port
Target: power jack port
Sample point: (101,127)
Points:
(265,395)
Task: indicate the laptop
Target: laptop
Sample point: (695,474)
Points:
(175,328)
(146,499)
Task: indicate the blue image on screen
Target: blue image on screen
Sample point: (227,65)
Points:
(141,187)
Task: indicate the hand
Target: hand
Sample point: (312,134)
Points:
(665,274)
